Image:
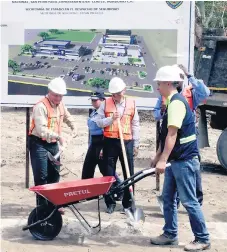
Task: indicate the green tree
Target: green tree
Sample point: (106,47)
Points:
(98,83)
(43,35)
(13,64)
(212,13)
(54,31)
(26,48)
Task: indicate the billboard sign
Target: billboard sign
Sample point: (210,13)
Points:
(130,47)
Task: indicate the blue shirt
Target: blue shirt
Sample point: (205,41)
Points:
(94,130)
(199,93)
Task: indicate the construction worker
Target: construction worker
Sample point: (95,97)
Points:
(178,147)
(195,94)
(94,154)
(118,106)
(45,132)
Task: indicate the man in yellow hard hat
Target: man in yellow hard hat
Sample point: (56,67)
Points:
(118,106)
(46,131)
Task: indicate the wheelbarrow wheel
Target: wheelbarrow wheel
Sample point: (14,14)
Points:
(47,230)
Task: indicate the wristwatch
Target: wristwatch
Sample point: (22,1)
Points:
(58,138)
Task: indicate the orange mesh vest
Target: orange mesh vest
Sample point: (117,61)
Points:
(53,123)
(187,93)
(112,131)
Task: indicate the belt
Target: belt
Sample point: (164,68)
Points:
(118,139)
(173,160)
(40,140)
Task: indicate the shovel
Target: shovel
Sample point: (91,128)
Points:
(134,214)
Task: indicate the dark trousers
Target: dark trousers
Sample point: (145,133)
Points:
(111,152)
(44,171)
(93,158)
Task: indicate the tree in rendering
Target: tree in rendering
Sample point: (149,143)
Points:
(54,31)
(43,35)
(13,64)
(26,48)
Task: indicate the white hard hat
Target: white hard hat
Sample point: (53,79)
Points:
(167,73)
(181,72)
(116,85)
(58,86)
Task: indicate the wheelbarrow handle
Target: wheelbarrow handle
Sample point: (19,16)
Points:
(132,180)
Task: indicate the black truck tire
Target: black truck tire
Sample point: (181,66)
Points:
(222,149)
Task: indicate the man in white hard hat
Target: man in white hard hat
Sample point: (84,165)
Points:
(118,106)
(195,94)
(178,147)
(45,132)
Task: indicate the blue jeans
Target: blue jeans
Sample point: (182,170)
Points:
(181,175)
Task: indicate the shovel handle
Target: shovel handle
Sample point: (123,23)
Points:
(124,151)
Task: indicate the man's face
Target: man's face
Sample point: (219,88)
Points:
(163,88)
(55,98)
(118,96)
(96,103)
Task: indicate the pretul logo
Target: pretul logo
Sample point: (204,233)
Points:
(75,193)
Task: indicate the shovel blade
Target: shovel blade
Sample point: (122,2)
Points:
(135,214)
(53,159)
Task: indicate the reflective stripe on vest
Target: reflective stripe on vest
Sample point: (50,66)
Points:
(126,119)
(53,123)
(188,139)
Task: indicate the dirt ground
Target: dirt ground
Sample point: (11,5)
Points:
(117,234)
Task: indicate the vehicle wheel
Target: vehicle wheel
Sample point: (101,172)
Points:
(47,230)
(221,149)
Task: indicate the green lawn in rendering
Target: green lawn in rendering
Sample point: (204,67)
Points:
(74,36)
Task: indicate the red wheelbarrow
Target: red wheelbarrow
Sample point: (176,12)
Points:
(45,221)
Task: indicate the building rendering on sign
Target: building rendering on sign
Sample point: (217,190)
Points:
(118,36)
(58,47)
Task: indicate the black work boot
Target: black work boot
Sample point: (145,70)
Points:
(163,240)
(110,209)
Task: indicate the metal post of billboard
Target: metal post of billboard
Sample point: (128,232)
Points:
(157,145)
(27,149)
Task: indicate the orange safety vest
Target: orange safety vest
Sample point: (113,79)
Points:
(53,123)
(112,131)
(187,93)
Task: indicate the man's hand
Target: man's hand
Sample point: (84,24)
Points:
(184,69)
(154,161)
(160,167)
(135,151)
(116,115)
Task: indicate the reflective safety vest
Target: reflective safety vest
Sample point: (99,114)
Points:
(187,93)
(112,131)
(54,123)
(186,144)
